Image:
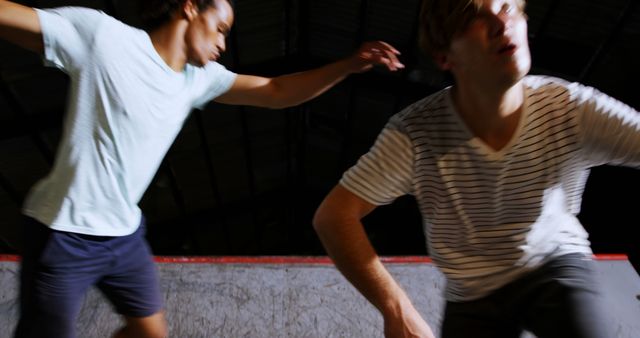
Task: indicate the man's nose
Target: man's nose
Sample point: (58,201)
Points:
(499,23)
(222,44)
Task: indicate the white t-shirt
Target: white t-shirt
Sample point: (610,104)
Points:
(490,216)
(125,108)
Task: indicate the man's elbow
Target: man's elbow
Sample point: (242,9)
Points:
(319,221)
(279,97)
(277,104)
(324,221)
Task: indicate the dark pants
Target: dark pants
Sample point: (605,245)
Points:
(58,267)
(561,299)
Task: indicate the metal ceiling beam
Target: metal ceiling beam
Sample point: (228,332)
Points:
(622,19)
(303,28)
(17,127)
(295,134)
(204,143)
(213,177)
(547,18)
(293,126)
(411,59)
(251,175)
(179,199)
(27,122)
(347,131)
(289,25)
(111,8)
(30,3)
(364,22)
(247,141)
(15,196)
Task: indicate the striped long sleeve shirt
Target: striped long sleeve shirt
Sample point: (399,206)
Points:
(491,216)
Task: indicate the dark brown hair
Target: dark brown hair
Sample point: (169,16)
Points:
(154,13)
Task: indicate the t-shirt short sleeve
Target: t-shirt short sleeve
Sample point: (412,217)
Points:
(214,81)
(385,172)
(68,34)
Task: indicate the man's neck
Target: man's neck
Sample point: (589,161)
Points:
(491,115)
(168,40)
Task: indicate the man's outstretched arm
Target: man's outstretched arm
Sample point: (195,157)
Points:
(338,224)
(293,89)
(20,25)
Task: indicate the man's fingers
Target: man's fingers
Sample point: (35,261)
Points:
(394,59)
(388,46)
(381,45)
(382,53)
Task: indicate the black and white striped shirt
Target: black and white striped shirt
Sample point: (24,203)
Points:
(490,216)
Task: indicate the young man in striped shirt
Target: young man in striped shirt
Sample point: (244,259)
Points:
(498,163)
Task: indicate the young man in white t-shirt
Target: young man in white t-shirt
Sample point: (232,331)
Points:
(497,163)
(131,91)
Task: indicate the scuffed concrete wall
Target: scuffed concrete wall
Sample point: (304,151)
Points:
(294,300)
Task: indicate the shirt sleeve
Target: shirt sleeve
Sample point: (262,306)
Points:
(68,34)
(609,129)
(385,172)
(214,81)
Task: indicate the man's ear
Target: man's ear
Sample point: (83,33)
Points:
(442,60)
(189,10)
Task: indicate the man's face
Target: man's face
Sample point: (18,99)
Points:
(493,47)
(206,34)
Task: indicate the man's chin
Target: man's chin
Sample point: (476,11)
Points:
(522,73)
(197,63)
(518,72)
(509,79)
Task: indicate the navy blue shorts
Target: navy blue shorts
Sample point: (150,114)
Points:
(58,268)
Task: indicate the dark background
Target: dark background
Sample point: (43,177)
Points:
(246,181)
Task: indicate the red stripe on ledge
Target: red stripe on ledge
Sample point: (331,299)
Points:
(322,260)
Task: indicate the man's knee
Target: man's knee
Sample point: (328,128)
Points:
(154,326)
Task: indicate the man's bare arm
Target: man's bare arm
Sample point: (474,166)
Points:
(20,25)
(338,224)
(293,89)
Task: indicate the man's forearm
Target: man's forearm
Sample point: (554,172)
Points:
(296,88)
(300,87)
(352,253)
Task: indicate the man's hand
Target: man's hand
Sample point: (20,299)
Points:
(406,324)
(375,53)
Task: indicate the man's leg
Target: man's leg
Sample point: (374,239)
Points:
(568,302)
(54,278)
(132,285)
(483,318)
(151,326)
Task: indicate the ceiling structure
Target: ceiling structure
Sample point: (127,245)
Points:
(241,180)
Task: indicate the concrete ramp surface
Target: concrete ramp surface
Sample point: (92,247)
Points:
(293,297)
